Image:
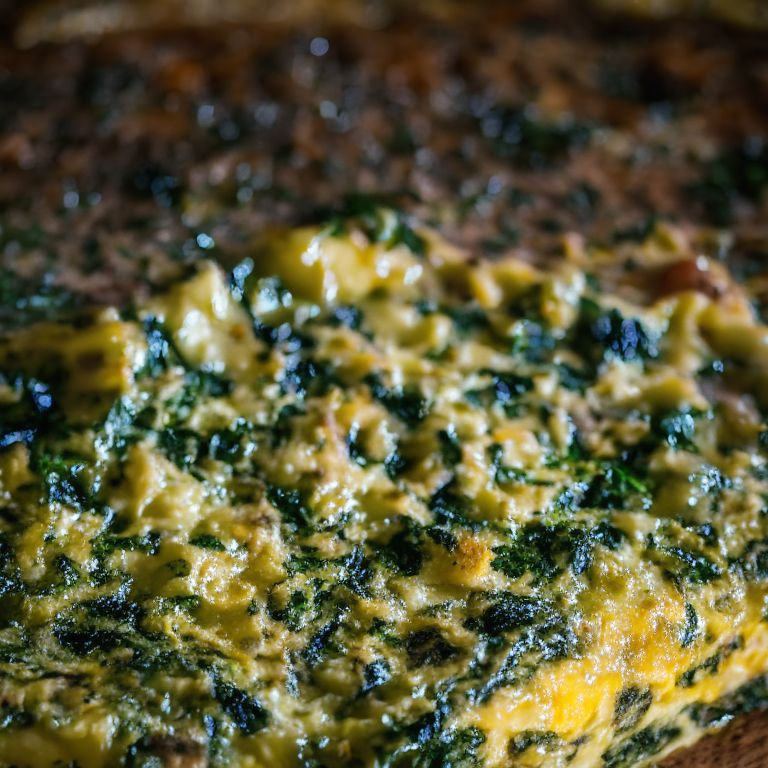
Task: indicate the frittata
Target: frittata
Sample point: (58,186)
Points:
(369,502)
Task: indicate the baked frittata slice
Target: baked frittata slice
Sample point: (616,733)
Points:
(367,503)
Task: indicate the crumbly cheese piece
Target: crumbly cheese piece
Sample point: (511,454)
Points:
(366,503)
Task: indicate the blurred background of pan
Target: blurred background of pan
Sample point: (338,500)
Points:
(59,20)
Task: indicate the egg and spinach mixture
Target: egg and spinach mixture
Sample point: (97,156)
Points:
(365,502)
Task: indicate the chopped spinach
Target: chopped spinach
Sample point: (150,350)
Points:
(395,464)
(631,705)
(646,743)
(693,675)
(504,475)
(450,507)
(534,551)
(678,428)
(508,386)
(181,603)
(467,318)
(296,515)
(455,749)
(749,697)
(209,542)
(599,334)
(428,648)
(523,741)
(117,607)
(683,562)
(510,612)
(376,216)
(348,316)
(246,712)
(181,446)
(406,403)
(305,377)
(294,613)
(319,643)
(63,479)
(613,487)
(403,554)
(67,573)
(282,427)
(306,564)
(545,550)
(105,545)
(532,340)
(357,572)
(754,560)
(450,446)
(382,630)
(84,643)
(375,674)
(691,627)
(356,452)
